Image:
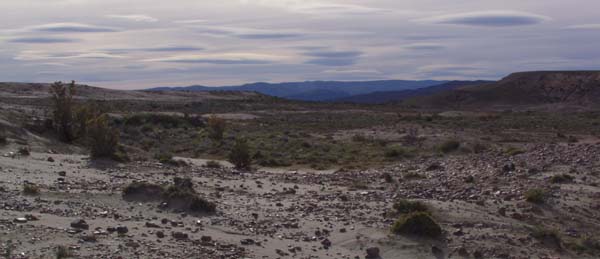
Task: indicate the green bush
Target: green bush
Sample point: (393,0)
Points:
(216,128)
(31,189)
(147,191)
(387,177)
(103,140)
(590,244)
(8,251)
(562,178)
(417,224)
(413,175)
(167,159)
(470,179)
(359,185)
(240,154)
(359,138)
(479,148)
(449,146)
(213,164)
(538,196)
(24,151)
(62,96)
(187,199)
(513,151)
(548,237)
(149,120)
(398,152)
(81,118)
(3,138)
(179,195)
(63,252)
(407,207)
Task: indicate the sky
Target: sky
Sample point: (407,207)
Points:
(138,44)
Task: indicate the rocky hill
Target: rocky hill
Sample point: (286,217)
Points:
(539,88)
(11,90)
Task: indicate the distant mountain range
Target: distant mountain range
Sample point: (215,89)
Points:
(316,90)
(523,89)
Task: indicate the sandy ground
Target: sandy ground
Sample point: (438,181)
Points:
(284,222)
(295,214)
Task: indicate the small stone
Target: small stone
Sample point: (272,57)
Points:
(437,252)
(502,212)
(30,217)
(458,232)
(152,225)
(373,253)
(326,243)
(20,220)
(179,235)
(510,167)
(80,224)
(247,241)
(122,230)
(132,244)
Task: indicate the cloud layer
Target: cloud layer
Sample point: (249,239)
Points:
(146,43)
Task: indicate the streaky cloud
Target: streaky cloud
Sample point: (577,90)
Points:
(332,58)
(334,54)
(244,33)
(352,71)
(133,17)
(42,40)
(332,61)
(71,27)
(424,46)
(156,49)
(255,36)
(222,59)
(488,19)
(32,55)
(591,26)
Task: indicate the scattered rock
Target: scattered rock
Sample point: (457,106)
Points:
(179,235)
(80,224)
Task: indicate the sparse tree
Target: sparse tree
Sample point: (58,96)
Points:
(216,128)
(62,95)
(240,154)
(81,118)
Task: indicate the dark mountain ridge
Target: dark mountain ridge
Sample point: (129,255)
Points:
(315,90)
(398,96)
